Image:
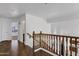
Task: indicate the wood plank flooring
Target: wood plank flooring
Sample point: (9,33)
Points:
(5,49)
(23,50)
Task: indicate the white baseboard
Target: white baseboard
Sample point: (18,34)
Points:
(45,51)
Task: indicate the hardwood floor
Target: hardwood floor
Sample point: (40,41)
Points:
(23,50)
(5,49)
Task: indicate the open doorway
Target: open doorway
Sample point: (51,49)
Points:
(14,41)
(18,34)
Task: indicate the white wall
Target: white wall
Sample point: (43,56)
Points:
(66,27)
(22,27)
(0,30)
(5,30)
(34,23)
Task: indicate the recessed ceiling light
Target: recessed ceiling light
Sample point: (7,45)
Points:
(46,3)
(14,12)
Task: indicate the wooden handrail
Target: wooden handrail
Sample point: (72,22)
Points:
(57,35)
(30,36)
(62,39)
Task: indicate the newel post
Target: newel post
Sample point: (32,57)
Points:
(33,40)
(40,38)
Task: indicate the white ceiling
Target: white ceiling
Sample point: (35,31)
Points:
(52,12)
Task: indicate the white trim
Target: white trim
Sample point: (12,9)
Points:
(37,49)
(45,51)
